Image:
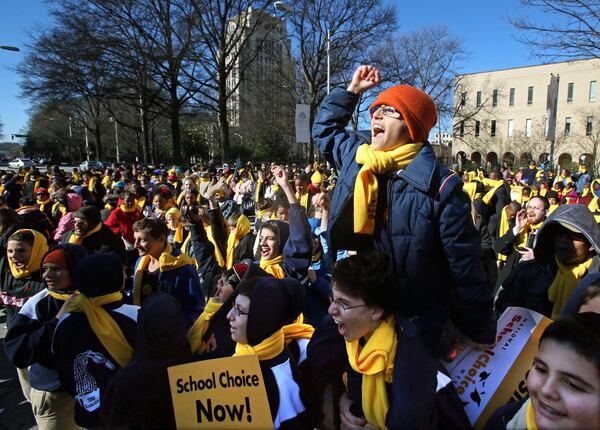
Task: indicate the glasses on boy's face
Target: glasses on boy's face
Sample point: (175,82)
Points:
(386,110)
(343,307)
(238,312)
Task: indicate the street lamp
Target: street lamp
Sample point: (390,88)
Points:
(9,48)
(116,138)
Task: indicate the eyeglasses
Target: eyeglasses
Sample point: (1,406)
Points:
(342,306)
(238,312)
(386,110)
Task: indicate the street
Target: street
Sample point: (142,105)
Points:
(15,411)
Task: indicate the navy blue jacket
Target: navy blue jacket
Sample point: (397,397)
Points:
(429,233)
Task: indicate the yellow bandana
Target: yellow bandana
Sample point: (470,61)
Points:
(375,361)
(104,326)
(199,328)
(564,283)
(366,185)
(273,267)
(269,348)
(76,239)
(39,249)
(242,227)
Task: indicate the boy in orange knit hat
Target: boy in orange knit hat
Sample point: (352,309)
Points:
(393,195)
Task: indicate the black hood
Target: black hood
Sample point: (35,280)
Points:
(578,217)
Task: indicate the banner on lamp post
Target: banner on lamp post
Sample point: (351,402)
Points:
(302,123)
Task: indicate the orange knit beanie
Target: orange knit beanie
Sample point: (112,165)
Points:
(417,109)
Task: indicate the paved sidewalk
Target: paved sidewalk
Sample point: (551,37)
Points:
(15,411)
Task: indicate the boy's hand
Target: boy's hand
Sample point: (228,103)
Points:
(364,77)
(280,175)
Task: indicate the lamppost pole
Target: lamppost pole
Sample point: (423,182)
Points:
(70,140)
(116,138)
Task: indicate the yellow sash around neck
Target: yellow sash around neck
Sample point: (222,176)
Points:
(76,239)
(201,324)
(564,283)
(38,250)
(104,326)
(366,185)
(269,348)
(273,266)
(375,361)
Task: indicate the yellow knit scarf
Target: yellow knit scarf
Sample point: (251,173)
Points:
(366,185)
(38,250)
(303,199)
(297,330)
(167,261)
(103,325)
(76,239)
(201,324)
(269,348)
(375,361)
(242,227)
(273,266)
(564,283)
(59,296)
(259,186)
(43,203)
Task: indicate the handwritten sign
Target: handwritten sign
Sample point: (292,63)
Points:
(225,393)
(488,379)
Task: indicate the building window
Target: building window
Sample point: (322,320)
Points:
(530,95)
(570,92)
(592,96)
(462,129)
(511,124)
(493,128)
(568,126)
(511,97)
(495,98)
(477,128)
(478,98)
(463,99)
(588,125)
(528,125)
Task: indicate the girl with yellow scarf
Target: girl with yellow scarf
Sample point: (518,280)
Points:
(20,275)
(262,307)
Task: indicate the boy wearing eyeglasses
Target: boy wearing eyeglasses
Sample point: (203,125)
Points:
(393,195)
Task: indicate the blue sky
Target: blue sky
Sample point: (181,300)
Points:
(487,36)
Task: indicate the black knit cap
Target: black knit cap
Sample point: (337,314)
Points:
(273,304)
(90,213)
(99,274)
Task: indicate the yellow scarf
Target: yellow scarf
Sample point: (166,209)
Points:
(531,424)
(259,185)
(524,235)
(297,330)
(59,296)
(269,348)
(375,361)
(303,199)
(261,214)
(38,250)
(76,239)
(273,266)
(43,203)
(126,209)
(552,208)
(91,183)
(201,324)
(242,227)
(141,203)
(167,261)
(105,328)
(218,255)
(494,185)
(470,188)
(365,187)
(564,283)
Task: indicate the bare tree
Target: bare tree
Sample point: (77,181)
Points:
(570,31)
(589,140)
(341,28)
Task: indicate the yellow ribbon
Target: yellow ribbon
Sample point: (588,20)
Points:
(366,185)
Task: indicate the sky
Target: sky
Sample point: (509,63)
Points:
(487,36)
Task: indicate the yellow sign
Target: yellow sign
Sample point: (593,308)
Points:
(225,393)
